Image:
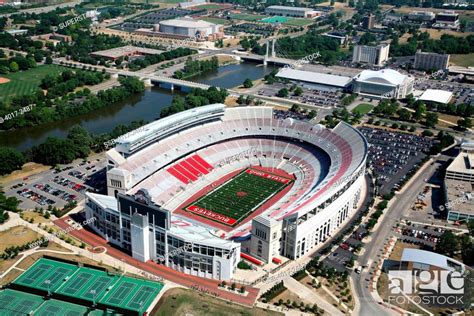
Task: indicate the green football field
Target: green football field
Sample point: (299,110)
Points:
(235,199)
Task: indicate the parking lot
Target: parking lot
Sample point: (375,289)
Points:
(423,236)
(393,154)
(325,97)
(339,258)
(460,92)
(59,187)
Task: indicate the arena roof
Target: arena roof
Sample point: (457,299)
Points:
(429,258)
(186,23)
(389,76)
(125,51)
(433,95)
(282,7)
(314,77)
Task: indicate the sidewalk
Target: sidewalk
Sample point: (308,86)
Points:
(309,296)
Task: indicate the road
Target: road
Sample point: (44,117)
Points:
(45,9)
(373,249)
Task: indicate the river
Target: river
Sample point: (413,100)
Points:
(145,106)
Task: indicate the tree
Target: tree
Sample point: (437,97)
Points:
(447,243)
(10,159)
(295,108)
(465,123)
(283,93)
(14,67)
(419,112)
(248,83)
(431,119)
(298,91)
(404,114)
(312,114)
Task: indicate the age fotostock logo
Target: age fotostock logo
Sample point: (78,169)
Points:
(431,288)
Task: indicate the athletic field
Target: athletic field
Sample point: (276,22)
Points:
(26,81)
(15,303)
(237,198)
(89,286)
(275,19)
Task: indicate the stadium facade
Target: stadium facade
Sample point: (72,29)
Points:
(160,178)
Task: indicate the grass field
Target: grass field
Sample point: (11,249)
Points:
(298,22)
(247,17)
(234,200)
(186,302)
(27,81)
(216,20)
(17,235)
(209,7)
(463,60)
(363,108)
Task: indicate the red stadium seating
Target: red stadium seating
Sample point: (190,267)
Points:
(190,169)
(178,175)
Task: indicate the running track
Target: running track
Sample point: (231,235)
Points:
(161,270)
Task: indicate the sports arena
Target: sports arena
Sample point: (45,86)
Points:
(197,190)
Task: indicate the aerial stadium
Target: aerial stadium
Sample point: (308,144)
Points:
(200,189)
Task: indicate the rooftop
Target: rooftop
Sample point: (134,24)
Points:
(460,196)
(433,95)
(431,258)
(463,163)
(282,7)
(384,76)
(126,50)
(314,77)
(186,22)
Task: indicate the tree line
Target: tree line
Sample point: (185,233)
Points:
(79,143)
(75,103)
(194,67)
(158,58)
(198,97)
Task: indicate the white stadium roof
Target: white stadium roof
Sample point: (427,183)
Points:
(389,76)
(314,77)
(282,7)
(186,22)
(433,95)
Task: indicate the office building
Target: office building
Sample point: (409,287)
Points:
(374,55)
(368,22)
(459,184)
(421,16)
(431,61)
(447,20)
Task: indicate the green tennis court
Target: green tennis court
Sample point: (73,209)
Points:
(132,294)
(18,303)
(46,274)
(275,19)
(60,308)
(86,284)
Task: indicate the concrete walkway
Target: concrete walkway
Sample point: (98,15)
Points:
(310,296)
